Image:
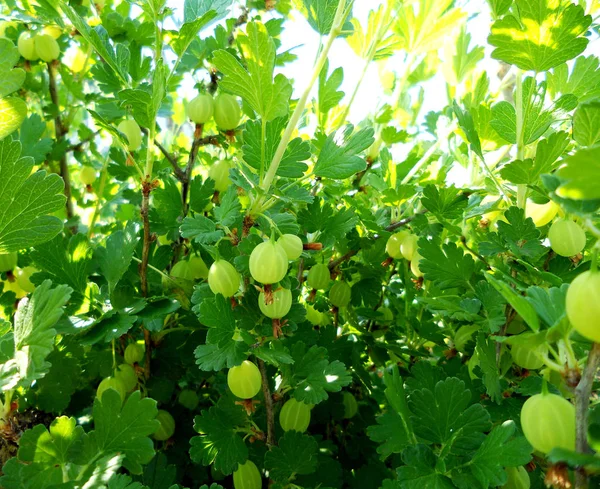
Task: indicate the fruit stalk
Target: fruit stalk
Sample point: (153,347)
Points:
(583,392)
(60,131)
(521,189)
(190,164)
(146,188)
(340,17)
(268,404)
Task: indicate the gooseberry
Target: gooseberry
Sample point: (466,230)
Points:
(244,380)
(292,245)
(227,112)
(319,277)
(167,426)
(223,278)
(567,238)
(201,108)
(548,422)
(340,294)
(295,415)
(281,305)
(268,262)
(583,305)
(132,132)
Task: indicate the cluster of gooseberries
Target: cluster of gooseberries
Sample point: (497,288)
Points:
(39,46)
(403,244)
(17,279)
(224,108)
(124,380)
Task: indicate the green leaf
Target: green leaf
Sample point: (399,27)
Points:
(125,429)
(548,152)
(574,459)
(32,142)
(466,122)
(111,325)
(586,124)
(544,34)
(34,332)
(499,7)
(200,229)
(549,303)
(518,236)
(424,25)
(463,61)
(228,212)
(581,174)
(198,14)
(12,114)
(295,154)
(268,97)
(321,14)
(390,433)
(485,350)
(219,443)
(11,79)
(329,96)
(67,262)
(342,161)
(295,455)
(446,265)
(122,481)
(140,103)
(419,470)
(583,81)
(193,9)
(312,375)
(536,119)
(499,450)
(55,445)
(201,193)
(221,349)
(518,302)
(97,38)
(446,416)
(114,260)
(30,476)
(26,200)
(445,203)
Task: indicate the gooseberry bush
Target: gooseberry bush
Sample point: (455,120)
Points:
(214,275)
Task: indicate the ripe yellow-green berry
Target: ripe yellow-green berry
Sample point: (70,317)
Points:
(46,47)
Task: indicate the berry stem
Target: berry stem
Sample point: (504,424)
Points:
(268,404)
(583,392)
(60,132)
(338,23)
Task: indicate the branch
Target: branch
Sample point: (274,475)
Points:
(403,222)
(179,174)
(268,404)
(582,405)
(60,131)
(146,189)
(79,145)
(187,174)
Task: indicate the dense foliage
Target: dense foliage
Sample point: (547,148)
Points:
(211,279)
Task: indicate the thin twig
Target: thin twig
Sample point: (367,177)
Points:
(80,144)
(582,405)
(146,189)
(190,165)
(268,404)
(60,131)
(179,174)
